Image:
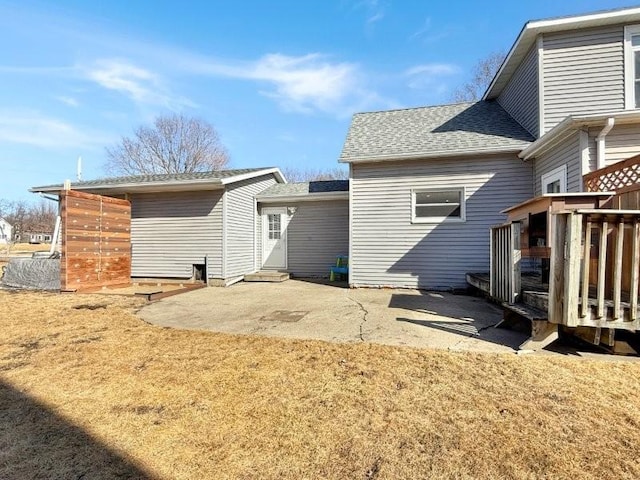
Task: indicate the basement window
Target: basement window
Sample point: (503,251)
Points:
(436,206)
(632,67)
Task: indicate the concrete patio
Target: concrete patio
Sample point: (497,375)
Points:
(310,310)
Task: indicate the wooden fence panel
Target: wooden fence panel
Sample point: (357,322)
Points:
(96,241)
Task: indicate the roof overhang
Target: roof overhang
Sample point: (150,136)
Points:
(576,122)
(529,33)
(305,197)
(191,185)
(436,154)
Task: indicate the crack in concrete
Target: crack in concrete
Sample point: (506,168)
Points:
(365,313)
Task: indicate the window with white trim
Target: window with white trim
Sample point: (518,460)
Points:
(555,181)
(632,67)
(437,205)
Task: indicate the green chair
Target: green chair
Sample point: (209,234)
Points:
(341,268)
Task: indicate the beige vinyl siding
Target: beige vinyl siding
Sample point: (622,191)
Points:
(583,72)
(622,142)
(520,96)
(317,232)
(170,232)
(566,153)
(239,226)
(387,249)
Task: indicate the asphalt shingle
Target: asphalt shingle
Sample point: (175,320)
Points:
(305,188)
(431,131)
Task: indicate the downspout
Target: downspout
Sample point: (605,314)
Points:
(600,143)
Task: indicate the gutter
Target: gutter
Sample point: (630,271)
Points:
(600,142)
(571,123)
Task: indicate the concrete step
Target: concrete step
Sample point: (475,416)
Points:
(267,276)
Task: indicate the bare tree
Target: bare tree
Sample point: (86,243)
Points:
(24,217)
(174,144)
(483,73)
(293,174)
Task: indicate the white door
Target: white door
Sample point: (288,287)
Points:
(274,238)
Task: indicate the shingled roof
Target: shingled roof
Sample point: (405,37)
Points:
(219,177)
(305,188)
(427,132)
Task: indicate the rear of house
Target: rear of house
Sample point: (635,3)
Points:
(426,185)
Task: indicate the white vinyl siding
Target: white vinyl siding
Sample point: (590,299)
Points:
(171,232)
(387,249)
(621,143)
(317,232)
(566,153)
(583,72)
(520,96)
(240,229)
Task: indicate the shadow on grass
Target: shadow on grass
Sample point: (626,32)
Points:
(36,442)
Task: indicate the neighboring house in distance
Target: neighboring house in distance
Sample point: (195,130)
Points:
(427,183)
(6,232)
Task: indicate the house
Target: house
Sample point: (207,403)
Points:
(427,183)
(6,232)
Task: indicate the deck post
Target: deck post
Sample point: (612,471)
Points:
(557,277)
(572,269)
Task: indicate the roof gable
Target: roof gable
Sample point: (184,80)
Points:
(533,28)
(428,132)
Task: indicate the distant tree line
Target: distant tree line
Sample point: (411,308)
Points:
(25,217)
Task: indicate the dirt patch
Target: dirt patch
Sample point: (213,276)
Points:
(284,316)
(151,402)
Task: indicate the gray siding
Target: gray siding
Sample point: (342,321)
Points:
(566,152)
(622,142)
(520,97)
(171,232)
(387,249)
(239,226)
(583,72)
(317,232)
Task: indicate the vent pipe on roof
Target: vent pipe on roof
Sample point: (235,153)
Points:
(600,143)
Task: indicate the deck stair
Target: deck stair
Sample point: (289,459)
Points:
(270,276)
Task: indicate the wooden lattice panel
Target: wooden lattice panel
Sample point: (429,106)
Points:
(614,178)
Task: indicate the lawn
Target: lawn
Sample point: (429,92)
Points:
(90,391)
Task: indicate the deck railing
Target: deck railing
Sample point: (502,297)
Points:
(595,267)
(505,262)
(615,178)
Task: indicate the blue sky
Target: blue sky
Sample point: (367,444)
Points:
(279,79)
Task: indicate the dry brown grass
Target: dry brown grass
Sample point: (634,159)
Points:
(28,247)
(100,394)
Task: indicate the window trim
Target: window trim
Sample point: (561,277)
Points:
(629,87)
(462,191)
(559,173)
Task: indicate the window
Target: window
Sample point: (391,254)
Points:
(274,226)
(434,206)
(555,181)
(632,67)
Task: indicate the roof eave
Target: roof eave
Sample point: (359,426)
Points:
(134,187)
(246,176)
(572,123)
(433,155)
(303,197)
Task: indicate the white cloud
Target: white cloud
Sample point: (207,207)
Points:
(430,75)
(139,84)
(33,128)
(70,101)
(304,84)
